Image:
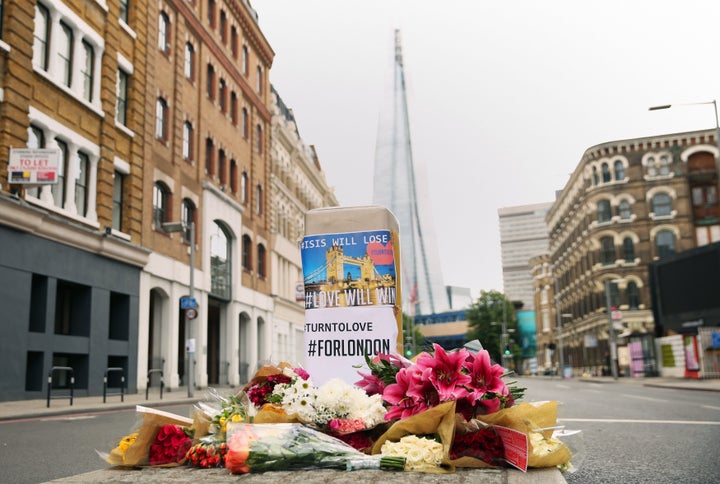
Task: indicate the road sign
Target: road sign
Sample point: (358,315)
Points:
(191,313)
(616,315)
(188,303)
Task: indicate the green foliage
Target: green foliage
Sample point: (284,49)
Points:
(485,319)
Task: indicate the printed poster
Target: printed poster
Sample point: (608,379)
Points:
(350,296)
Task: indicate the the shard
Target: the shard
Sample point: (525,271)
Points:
(399,184)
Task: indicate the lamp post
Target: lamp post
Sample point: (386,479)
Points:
(189,343)
(611,336)
(717,129)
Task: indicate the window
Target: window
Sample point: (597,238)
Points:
(702,196)
(81,184)
(607,251)
(161,119)
(628,249)
(604,212)
(261,260)
(221,167)
(209,151)
(187,141)
(211,82)
(234,41)
(595,177)
(186,217)
(161,200)
(222,95)
(117,200)
(189,61)
(619,170)
(220,275)
(245,124)
(164,33)
(87,71)
(614,295)
(245,60)
(211,13)
(36,139)
(651,168)
(258,199)
(244,188)
(664,165)
(41,37)
(223,26)
(124,10)
(259,80)
(665,243)
(233,108)
(605,168)
(58,190)
(122,96)
(65,50)
(633,295)
(661,204)
(624,210)
(233,176)
(258,138)
(246,253)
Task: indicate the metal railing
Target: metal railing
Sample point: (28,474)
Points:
(162,382)
(50,383)
(122,384)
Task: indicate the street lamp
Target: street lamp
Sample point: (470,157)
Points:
(171,227)
(717,128)
(611,336)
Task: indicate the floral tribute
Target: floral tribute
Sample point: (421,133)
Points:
(170,446)
(207,454)
(471,380)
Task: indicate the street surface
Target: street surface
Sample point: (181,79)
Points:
(631,434)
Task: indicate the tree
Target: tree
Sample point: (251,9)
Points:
(485,319)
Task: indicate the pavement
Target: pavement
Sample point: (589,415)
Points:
(32,409)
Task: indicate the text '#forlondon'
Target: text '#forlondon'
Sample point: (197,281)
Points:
(351,347)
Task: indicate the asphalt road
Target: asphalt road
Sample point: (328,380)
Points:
(630,434)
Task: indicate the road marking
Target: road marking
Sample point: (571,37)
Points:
(612,420)
(710,407)
(645,398)
(77,417)
(563,386)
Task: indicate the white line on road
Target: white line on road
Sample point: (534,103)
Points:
(611,420)
(77,417)
(563,386)
(710,407)
(645,398)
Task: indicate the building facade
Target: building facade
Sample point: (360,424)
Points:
(628,203)
(297,184)
(523,235)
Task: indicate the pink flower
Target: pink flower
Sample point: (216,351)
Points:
(301,373)
(372,384)
(447,372)
(484,376)
(402,404)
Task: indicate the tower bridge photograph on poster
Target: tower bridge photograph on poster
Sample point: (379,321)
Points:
(348,281)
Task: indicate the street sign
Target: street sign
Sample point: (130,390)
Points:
(191,313)
(188,303)
(616,315)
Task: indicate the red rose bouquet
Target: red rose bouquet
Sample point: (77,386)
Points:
(170,446)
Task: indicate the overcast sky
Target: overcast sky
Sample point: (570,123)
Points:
(504,97)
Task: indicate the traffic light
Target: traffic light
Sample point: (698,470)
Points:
(408,349)
(507,349)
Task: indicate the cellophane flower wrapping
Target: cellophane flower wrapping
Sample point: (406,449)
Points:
(437,422)
(537,420)
(134,450)
(292,446)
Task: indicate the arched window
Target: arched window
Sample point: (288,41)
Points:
(187,141)
(246,252)
(259,199)
(605,168)
(628,249)
(614,295)
(209,155)
(604,213)
(161,119)
(88,71)
(261,263)
(651,168)
(161,203)
(665,243)
(595,177)
(187,217)
(164,33)
(210,82)
(661,204)
(244,188)
(607,250)
(664,165)
(189,61)
(633,295)
(245,125)
(42,37)
(222,168)
(220,276)
(624,210)
(244,60)
(619,170)
(65,53)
